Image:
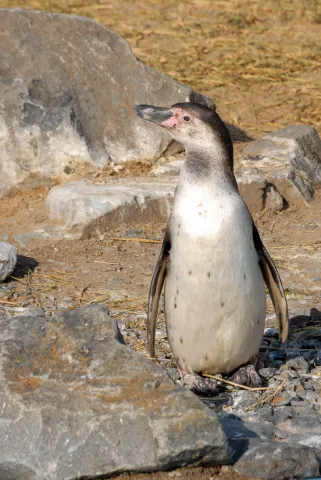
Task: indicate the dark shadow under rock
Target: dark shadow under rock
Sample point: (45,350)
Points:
(237,134)
(24,266)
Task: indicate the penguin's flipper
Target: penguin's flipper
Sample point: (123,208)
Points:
(273,282)
(155,292)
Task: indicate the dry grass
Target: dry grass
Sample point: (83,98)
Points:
(260,61)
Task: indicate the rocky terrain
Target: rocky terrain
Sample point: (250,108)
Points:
(79,239)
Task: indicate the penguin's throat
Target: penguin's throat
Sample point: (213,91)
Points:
(210,163)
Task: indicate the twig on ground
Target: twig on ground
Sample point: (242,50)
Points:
(144,240)
(6,302)
(55,279)
(107,263)
(244,387)
(267,399)
(18,280)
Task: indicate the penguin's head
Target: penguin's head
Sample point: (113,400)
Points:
(191,124)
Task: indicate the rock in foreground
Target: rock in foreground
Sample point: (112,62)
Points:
(70,85)
(78,403)
(8,260)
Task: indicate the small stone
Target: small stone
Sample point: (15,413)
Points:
(310,396)
(316,384)
(301,404)
(267,372)
(271,332)
(280,434)
(299,363)
(273,201)
(8,260)
(265,412)
(281,414)
(317,361)
(264,429)
(304,424)
(296,385)
(317,408)
(133,233)
(118,168)
(283,398)
(289,374)
(315,315)
(67,299)
(275,460)
(307,383)
(244,398)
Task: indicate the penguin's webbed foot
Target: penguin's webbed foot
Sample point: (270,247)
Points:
(247,376)
(201,385)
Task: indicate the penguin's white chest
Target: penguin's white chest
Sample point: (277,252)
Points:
(214,290)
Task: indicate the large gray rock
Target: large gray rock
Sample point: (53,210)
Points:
(8,259)
(76,402)
(86,207)
(289,157)
(68,86)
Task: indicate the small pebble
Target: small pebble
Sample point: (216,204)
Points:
(267,372)
(289,374)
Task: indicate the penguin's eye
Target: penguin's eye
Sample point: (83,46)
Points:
(186,118)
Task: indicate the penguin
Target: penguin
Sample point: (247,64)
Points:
(212,260)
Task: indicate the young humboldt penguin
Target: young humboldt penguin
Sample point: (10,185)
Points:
(212,259)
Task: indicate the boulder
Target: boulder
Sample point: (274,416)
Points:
(289,158)
(88,208)
(68,89)
(8,260)
(78,403)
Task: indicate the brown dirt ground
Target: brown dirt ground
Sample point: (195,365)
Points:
(261,64)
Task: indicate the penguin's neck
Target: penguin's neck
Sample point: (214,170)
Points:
(210,163)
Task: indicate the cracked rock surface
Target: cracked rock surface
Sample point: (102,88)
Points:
(76,402)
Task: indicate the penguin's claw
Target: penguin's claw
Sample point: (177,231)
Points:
(200,385)
(247,376)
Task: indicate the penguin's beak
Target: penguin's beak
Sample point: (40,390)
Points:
(157,115)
